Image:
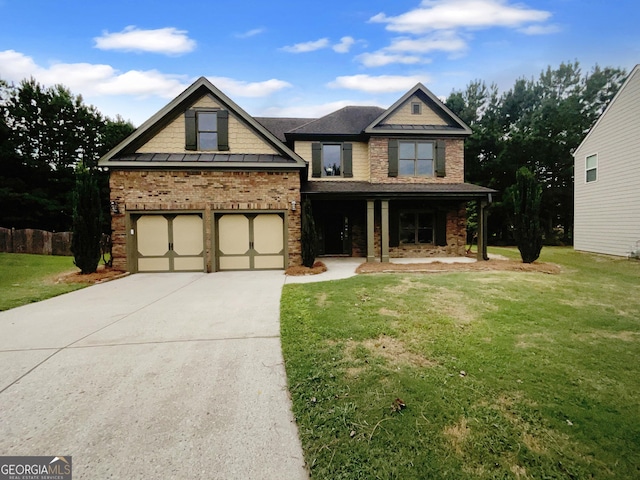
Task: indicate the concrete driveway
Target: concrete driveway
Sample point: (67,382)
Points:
(152,376)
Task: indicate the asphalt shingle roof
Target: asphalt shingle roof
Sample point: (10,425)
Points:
(346,121)
(278,126)
(423,189)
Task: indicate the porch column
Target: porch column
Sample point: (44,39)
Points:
(384,230)
(371,241)
(482,230)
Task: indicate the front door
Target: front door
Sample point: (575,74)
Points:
(337,240)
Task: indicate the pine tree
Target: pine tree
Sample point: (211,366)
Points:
(308,237)
(524,199)
(87,220)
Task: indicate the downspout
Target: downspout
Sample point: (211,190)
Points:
(483,219)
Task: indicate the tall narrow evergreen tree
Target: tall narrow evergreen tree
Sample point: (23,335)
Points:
(87,221)
(524,199)
(308,236)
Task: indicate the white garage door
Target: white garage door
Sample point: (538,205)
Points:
(168,243)
(250,241)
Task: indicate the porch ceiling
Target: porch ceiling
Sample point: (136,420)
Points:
(458,191)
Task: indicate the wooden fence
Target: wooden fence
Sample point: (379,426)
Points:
(38,242)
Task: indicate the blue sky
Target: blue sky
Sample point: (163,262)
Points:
(302,59)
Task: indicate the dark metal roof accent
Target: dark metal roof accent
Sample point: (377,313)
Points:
(346,121)
(366,189)
(435,128)
(211,158)
(279,126)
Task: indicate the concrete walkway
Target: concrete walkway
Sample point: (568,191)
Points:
(152,376)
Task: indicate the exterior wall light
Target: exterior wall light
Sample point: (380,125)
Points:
(114,207)
(293,205)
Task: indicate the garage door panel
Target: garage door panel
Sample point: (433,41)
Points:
(187,235)
(234,234)
(153,264)
(153,235)
(188,263)
(268,233)
(235,263)
(269,261)
(167,242)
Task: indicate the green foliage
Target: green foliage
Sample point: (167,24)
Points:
(28,278)
(524,199)
(549,388)
(44,134)
(537,123)
(309,237)
(87,221)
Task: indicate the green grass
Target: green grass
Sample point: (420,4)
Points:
(550,387)
(30,278)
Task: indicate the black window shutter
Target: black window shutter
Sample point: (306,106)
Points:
(316,160)
(393,157)
(347,160)
(223,130)
(191,140)
(441,169)
(441,228)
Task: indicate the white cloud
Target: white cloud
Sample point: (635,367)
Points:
(92,79)
(169,41)
(452,14)
(307,46)
(238,88)
(251,33)
(377,84)
(381,59)
(345,45)
(447,41)
(104,80)
(540,29)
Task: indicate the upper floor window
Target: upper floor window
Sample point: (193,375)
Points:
(416,108)
(207,130)
(415,159)
(592,168)
(207,123)
(331,160)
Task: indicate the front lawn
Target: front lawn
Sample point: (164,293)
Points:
(28,278)
(469,375)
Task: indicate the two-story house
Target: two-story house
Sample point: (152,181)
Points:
(204,186)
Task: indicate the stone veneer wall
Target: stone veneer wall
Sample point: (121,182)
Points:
(379,158)
(206,191)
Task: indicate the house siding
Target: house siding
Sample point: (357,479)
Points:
(403,115)
(171,139)
(360,161)
(607,211)
(379,158)
(208,192)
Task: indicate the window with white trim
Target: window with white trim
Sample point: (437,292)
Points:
(207,123)
(591,168)
(331,160)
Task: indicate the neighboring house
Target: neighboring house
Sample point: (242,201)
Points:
(607,177)
(204,186)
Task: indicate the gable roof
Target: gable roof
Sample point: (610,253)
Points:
(346,121)
(454,126)
(121,154)
(635,74)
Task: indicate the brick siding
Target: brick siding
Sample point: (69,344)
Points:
(207,191)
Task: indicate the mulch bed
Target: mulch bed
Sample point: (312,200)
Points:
(436,267)
(318,267)
(103,274)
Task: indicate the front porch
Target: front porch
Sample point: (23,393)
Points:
(382,222)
